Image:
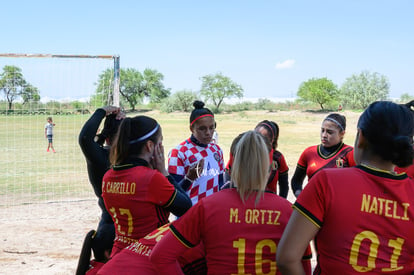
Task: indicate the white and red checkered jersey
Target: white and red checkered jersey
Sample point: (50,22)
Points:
(186,154)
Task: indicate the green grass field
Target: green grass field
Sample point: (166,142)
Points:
(29,174)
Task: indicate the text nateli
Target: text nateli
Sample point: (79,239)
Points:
(255,216)
(385,207)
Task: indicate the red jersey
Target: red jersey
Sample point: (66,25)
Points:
(136,199)
(365,218)
(134,259)
(187,154)
(248,233)
(94,267)
(312,160)
(408,170)
(279,167)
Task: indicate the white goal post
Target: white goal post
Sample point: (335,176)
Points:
(31,178)
(116,79)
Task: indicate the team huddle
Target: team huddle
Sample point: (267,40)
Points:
(203,216)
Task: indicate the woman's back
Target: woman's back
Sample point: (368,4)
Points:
(366,217)
(237,237)
(134,198)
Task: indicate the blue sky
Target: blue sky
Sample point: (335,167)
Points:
(268,47)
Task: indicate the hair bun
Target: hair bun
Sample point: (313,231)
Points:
(198,104)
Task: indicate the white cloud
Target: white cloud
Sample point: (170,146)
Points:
(287,64)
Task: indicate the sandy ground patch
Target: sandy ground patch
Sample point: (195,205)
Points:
(47,238)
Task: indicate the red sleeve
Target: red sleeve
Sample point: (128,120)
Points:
(303,159)
(184,234)
(165,253)
(350,158)
(408,170)
(314,199)
(187,229)
(160,189)
(283,167)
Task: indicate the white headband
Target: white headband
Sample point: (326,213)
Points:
(336,122)
(144,137)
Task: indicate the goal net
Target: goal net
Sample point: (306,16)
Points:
(34,87)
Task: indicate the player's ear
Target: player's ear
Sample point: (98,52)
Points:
(361,141)
(149,145)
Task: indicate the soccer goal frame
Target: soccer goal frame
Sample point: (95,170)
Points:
(115,94)
(34,180)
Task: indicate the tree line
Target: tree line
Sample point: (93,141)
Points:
(357,92)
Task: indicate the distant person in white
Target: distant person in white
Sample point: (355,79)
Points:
(49,133)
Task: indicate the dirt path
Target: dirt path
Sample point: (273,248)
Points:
(45,244)
(47,238)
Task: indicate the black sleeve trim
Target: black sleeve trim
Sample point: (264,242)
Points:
(180,237)
(169,202)
(308,215)
(179,201)
(307,257)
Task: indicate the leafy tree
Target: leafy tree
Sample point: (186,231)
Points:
(134,86)
(14,86)
(318,90)
(30,94)
(131,87)
(358,91)
(217,87)
(406,97)
(154,88)
(184,100)
(104,89)
(179,101)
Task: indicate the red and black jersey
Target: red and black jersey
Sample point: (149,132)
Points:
(279,167)
(312,160)
(134,259)
(366,220)
(239,238)
(136,198)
